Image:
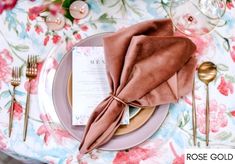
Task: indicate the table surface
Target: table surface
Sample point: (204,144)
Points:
(20,36)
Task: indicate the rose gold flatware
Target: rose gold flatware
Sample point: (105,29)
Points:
(31,73)
(15,81)
(194,115)
(207,72)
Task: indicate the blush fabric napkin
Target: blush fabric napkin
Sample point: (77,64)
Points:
(146,66)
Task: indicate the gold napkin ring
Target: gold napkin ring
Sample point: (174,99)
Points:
(118,99)
(131,104)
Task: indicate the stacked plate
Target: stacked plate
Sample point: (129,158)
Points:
(55,95)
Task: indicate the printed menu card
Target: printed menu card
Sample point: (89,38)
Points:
(90,83)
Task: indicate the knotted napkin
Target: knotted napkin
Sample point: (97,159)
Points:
(146,66)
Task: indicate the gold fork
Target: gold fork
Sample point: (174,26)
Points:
(15,81)
(31,73)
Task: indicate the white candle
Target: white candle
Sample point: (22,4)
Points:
(55,22)
(79,9)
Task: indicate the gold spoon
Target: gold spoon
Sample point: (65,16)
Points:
(207,72)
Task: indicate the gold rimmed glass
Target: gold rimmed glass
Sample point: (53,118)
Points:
(196,17)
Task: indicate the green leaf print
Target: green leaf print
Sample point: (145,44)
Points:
(5,94)
(222,67)
(223,135)
(105,19)
(183,119)
(8,105)
(21,47)
(230,78)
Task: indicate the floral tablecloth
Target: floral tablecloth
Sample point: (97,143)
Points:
(22,32)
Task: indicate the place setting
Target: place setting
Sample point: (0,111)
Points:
(138,124)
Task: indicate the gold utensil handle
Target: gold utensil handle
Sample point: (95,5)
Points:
(11,113)
(27,113)
(207,115)
(194,115)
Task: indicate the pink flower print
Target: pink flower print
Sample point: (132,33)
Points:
(56,8)
(53,64)
(76,35)
(221,5)
(69,44)
(51,162)
(154,146)
(205,30)
(225,87)
(178,159)
(133,156)
(61,133)
(38,29)
(76,21)
(56,38)
(229,5)
(67,26)
(3,145)
(218,117)
(93,156)
(7,5)
(46,131)
(232,113)
(202,43)
(7,55)
(5,66)
(69,160)
(34,12)
(18,110)
(34,82)
(84,27)
(45,118)
(189,101)
(43,130)
(46,39)
(1,8)
(233,38)
(28,27)
(82,162)
(232,53)
(79,158)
